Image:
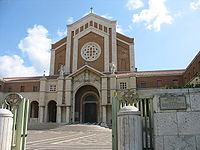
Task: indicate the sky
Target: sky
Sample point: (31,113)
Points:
(166,32)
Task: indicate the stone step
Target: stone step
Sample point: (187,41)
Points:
(43,126)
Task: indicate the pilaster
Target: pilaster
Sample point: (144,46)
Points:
(104,91)
(52,62)
(113,85)
(68,51)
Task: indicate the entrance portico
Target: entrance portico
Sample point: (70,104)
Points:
(87,104)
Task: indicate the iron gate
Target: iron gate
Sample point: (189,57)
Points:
(145,107)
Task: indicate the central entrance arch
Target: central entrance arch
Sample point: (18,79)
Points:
(87,104)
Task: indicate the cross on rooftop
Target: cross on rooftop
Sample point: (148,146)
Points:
(91,10)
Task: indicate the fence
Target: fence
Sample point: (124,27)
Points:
(130,98)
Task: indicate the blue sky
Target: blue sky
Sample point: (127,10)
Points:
(166,32)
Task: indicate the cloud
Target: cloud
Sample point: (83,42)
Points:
(70,20)
(195,5)
(62,33)
(156,15)
(13,66)
(119,29)
(107,16)
(134,4)
(37,46)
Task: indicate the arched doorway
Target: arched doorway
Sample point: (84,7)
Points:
(89,108)
(87,104)
(34,109)
(52,111)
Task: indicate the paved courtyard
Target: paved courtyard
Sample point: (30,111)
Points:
(70,137)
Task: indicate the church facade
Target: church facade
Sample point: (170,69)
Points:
(86,68)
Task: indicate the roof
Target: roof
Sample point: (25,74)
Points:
(198,55)
(160,73)
(28,78)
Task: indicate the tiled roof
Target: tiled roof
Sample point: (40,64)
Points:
(160,73)
(28,78)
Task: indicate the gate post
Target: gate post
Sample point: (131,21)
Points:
(129,129)
(6,123)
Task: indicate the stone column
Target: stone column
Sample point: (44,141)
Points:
(59,97)
(132,57)
(68,97)
(58,120)
(41,114)
(106,54)
(129,129)
(67,114)
(113,85)
(6,123)
(42,97)
(46,114)
(52,62)
(68,50)
(104,96)
(114,44)
(104,113)
(132,81)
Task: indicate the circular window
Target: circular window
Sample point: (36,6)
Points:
(90,51)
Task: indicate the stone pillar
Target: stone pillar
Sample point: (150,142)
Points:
(68,97)
(68,50)
(58,120)
(106,54)
(132,57)
(104,114)
(113,86)
(67,114)
(41,114)
(129,129)
(52,62)
(60,90)
(104,91)
(46,119)
(42,96)
(132,81)
(6,123)
(104,96)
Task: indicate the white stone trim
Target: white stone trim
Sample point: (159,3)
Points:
(68,52)
(106,47)
(91,29)
(124,41)
(131,54)
(94,18)
(60,46)
(106,54)
(114,46)
(75,55)
(52,62)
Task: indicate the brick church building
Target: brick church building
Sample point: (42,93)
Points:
(86,68)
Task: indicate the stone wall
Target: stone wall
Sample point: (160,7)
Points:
(177,129)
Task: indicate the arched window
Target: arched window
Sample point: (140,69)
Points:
(34,109)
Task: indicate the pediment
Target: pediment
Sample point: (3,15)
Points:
(93,17)
(86,68)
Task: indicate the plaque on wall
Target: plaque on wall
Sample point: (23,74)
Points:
(173,102)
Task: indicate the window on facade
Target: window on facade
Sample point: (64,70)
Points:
(35,88)
(159,83)
(175,82)
(22,88)
(52,88)
(122,85)
(143,85)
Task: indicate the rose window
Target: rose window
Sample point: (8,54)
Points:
(90,51)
